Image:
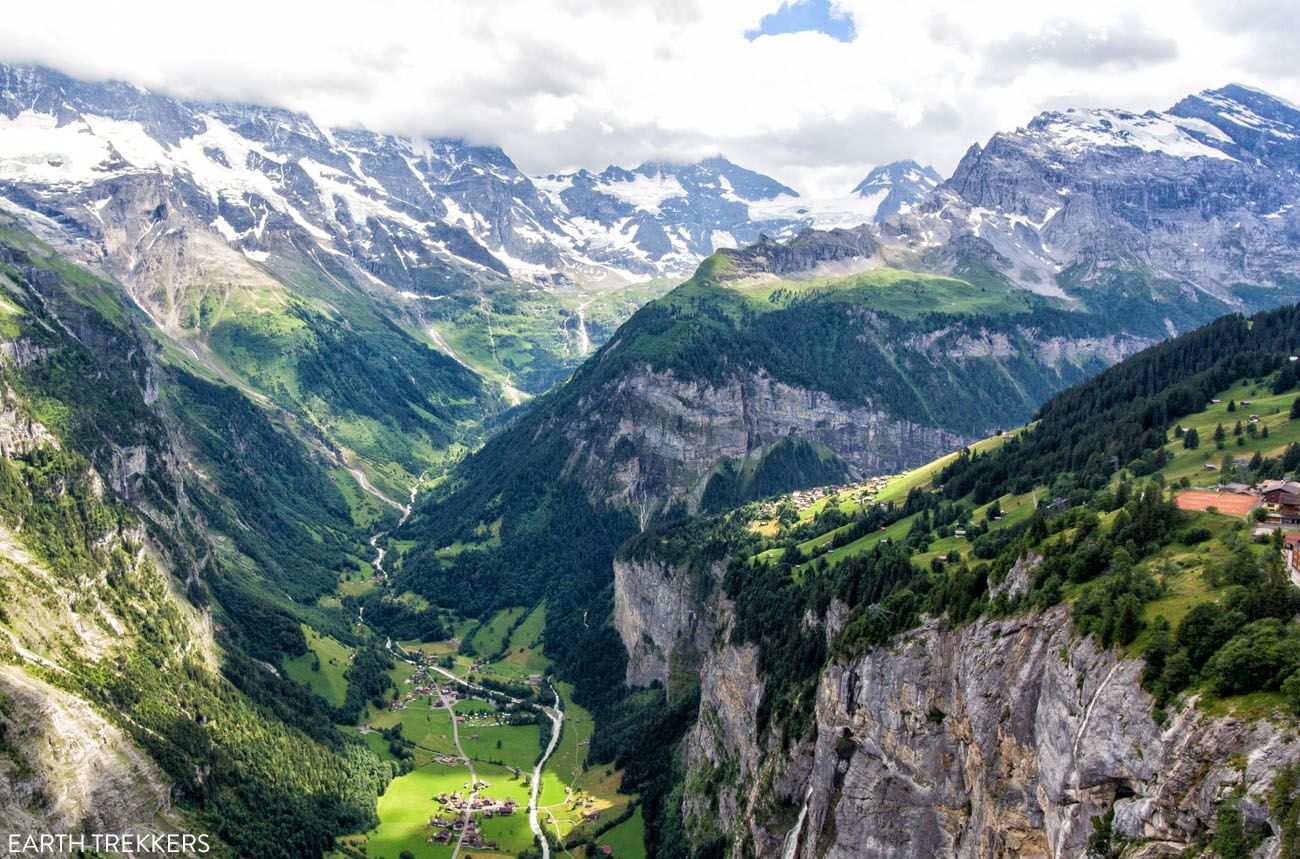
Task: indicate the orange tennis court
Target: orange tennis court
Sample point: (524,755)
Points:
(1234,503)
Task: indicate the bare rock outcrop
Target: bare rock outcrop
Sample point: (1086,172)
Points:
(1001,738)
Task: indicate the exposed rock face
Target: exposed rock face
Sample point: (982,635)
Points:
(70,770)
(659,614)
(1005,739)
(998,739)
(1175,196)
(19,434)
(898,186)
(128,464)
(681,429)
(810,252)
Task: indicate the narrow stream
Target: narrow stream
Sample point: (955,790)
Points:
(557,717)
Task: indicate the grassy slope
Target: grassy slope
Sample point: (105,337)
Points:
(255,753)
(326,681)
(530,339)
(1181,568)
(902,293)
(1273,411)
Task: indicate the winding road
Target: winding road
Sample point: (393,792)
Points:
(473,776)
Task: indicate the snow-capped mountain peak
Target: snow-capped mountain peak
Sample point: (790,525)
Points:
(897,187)
(410,213)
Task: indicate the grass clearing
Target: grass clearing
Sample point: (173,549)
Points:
(490,638)
(322,667)
(628,838)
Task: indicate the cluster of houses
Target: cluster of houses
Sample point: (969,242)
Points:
(460,814)
(1281,500)
(448,693)
(862,492)
(423,684)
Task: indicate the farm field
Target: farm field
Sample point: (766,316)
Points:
(627,837)
(573,799)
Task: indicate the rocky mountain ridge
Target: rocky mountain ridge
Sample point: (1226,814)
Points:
(1193,203)
(418,215)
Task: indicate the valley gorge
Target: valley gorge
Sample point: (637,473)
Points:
(738,522)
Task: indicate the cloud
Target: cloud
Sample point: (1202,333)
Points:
(1076,45)
(562,84)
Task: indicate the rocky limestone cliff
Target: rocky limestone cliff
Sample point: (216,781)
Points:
(660,615)
(998,739)
(65,765)
(1002,738)
(681,429)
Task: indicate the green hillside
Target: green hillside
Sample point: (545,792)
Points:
(213,507)
(896,339)
(883,338)
(1089,489)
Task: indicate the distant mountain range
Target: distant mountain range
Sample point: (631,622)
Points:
(1196,201)
(409,212)
(1174,216)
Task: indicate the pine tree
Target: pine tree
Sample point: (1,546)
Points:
(1128,618)
(1192,439)
(1219,434)
(1295,409)
(1232,405)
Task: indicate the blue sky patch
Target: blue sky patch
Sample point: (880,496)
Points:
(804,16)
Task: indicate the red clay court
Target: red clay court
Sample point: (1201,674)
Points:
(1235,503)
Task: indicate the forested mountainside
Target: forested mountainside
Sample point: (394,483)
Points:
(1026,647)
(739,384)
(161,534)
(770,369)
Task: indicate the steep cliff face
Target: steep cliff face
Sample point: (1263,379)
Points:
(661,617)
(680,429)
(1002,738)
(999,739)
(64,766)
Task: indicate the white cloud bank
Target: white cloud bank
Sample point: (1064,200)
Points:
(566,83)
